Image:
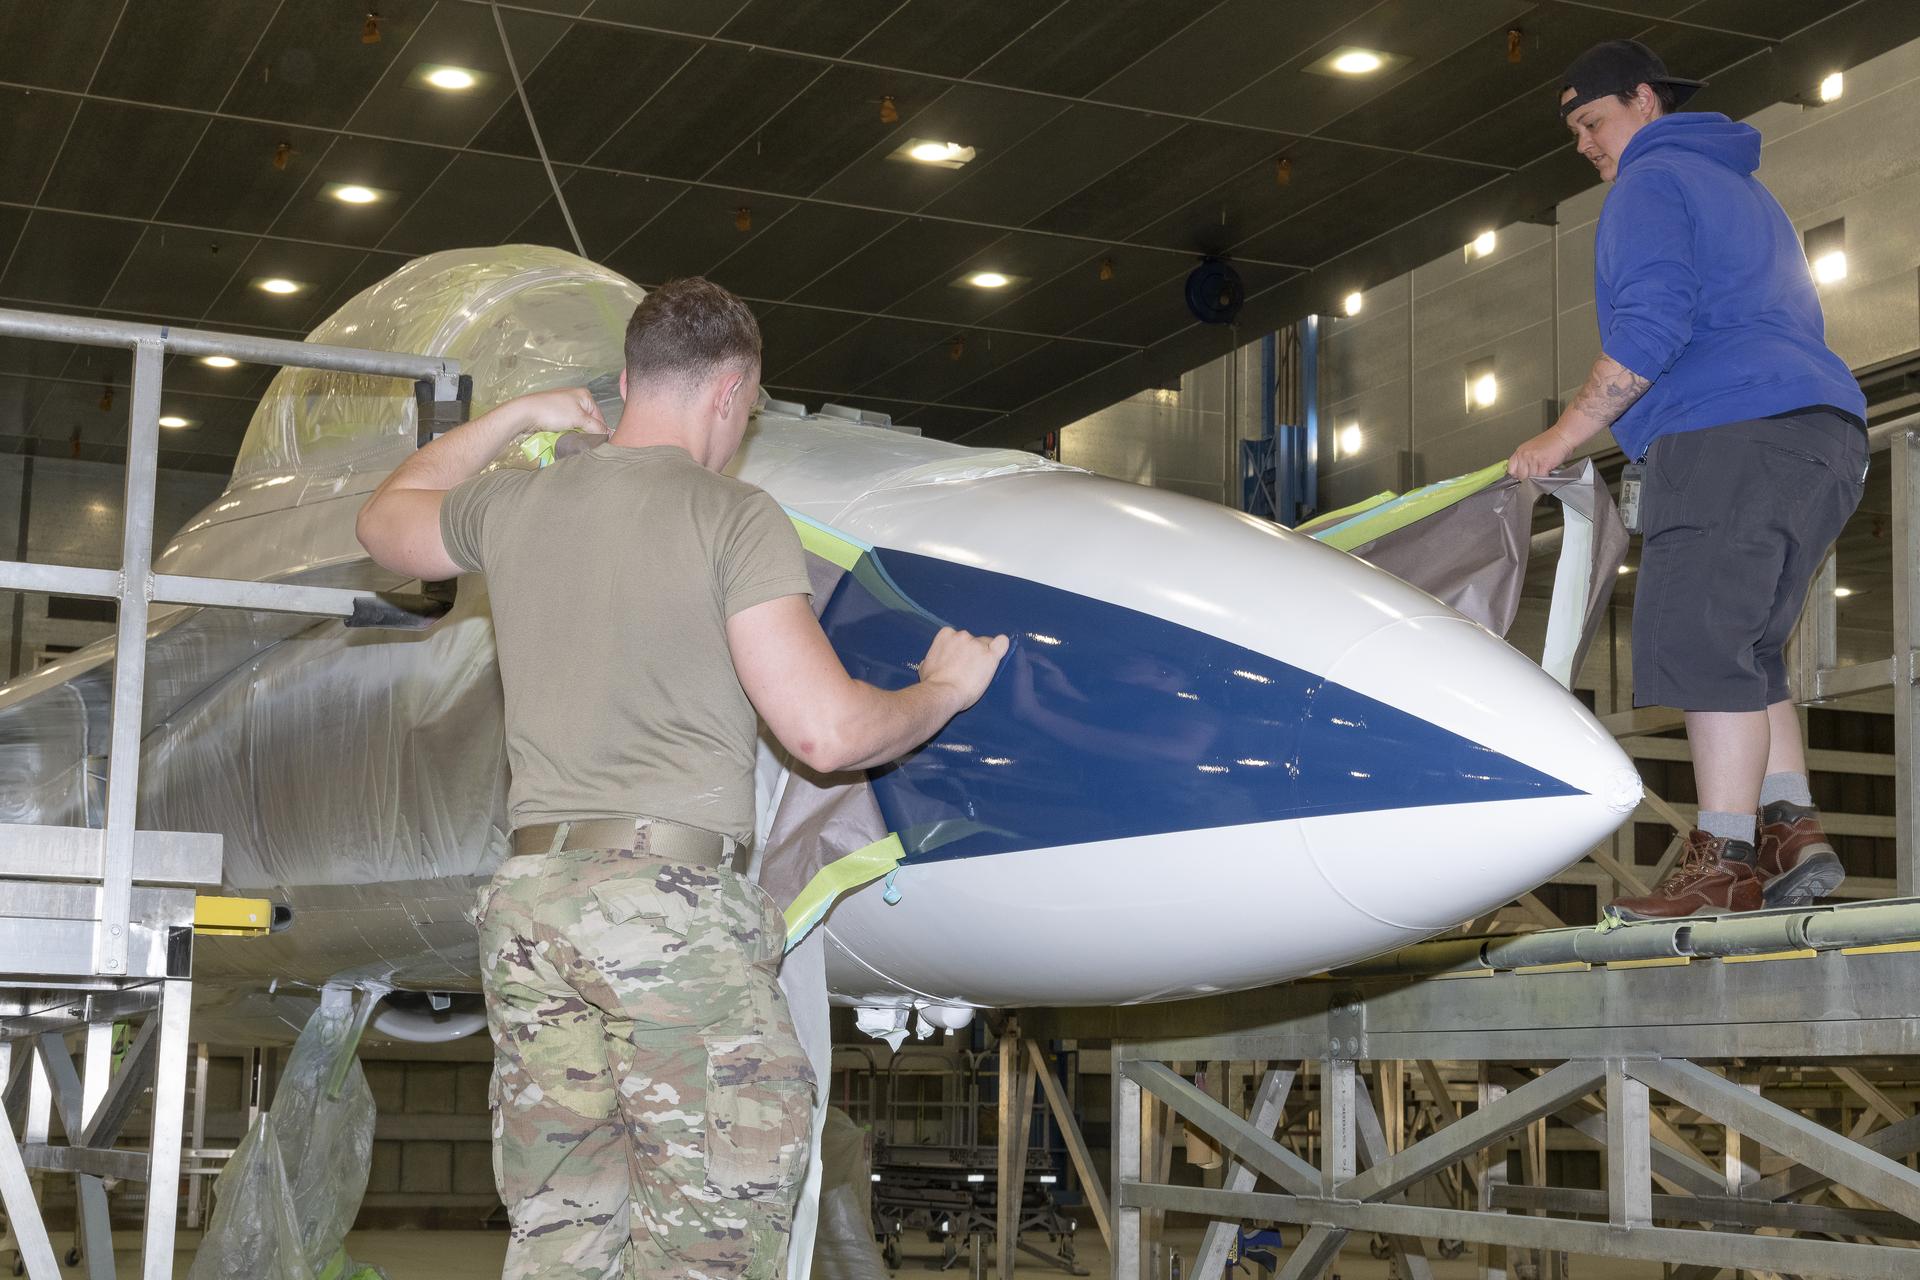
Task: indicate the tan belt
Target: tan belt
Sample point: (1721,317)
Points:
(669,841)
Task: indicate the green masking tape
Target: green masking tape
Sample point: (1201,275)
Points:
(842,875)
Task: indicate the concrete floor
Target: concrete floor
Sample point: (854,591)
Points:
(476,1255)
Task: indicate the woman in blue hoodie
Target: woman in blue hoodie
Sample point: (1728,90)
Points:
(1715,374)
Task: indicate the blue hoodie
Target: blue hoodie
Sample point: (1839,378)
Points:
(1702,287)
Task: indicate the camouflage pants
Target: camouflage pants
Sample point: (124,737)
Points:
(652,1108)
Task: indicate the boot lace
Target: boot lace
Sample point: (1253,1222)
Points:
(1701,861)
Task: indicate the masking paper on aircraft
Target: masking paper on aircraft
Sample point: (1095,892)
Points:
(1472,552)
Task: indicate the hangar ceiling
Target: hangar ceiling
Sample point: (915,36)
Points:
(159,158)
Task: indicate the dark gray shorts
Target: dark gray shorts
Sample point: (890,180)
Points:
(1736,520)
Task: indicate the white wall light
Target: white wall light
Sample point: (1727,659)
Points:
(1482,385)
(1354,302)
(1346,441)
(1826,247)
(1482,245)
(1832,87)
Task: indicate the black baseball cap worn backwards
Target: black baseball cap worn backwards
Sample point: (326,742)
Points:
(1619,66)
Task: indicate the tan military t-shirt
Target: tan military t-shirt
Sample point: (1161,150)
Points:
(612,574)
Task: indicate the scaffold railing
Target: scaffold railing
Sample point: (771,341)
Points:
(96,924)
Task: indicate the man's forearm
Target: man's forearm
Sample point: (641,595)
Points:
(1610,390)
(886,725)
(461,453)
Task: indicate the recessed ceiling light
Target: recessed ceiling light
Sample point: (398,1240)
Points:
(1832,87)
(1483,244)
(1354,302)
(354,193)
(1830,267)
(939,155)
(219,362)
(450,79)
(278,284)
(1352,62)
(989,280)
(174,420)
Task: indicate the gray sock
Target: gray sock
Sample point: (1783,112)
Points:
(1791,787)
(1728,826)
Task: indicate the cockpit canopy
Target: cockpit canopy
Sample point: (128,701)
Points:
(519,318)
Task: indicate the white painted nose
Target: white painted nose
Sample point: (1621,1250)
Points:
(1543,784)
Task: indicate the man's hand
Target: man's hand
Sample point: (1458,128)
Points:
(1539,455)
(565,409)
(833,722)
(962,665)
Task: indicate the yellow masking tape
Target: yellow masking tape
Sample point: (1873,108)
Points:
(538,447)
(824,544)
(1332,518)
(862,866)
(1417,505)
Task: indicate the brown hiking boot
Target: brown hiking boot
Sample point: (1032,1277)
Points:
(1705,883)
(1797,866)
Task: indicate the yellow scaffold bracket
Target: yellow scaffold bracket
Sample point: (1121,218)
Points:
(232,917)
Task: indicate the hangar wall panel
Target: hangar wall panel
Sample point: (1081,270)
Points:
(74,518)
(1176,439)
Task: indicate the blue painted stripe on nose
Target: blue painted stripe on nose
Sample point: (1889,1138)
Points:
(1105,723)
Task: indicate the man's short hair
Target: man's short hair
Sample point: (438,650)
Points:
(1662,94)
(689,328)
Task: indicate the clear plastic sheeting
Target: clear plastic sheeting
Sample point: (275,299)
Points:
(519,318)
(304,755)
(844,1249)
(289,1195)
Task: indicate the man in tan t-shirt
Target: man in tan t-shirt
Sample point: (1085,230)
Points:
(652,1106)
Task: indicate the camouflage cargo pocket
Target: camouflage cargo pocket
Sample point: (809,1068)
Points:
(631,900)
(760,1092)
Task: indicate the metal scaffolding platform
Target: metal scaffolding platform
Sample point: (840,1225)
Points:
(1589,1046)
(97,924)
